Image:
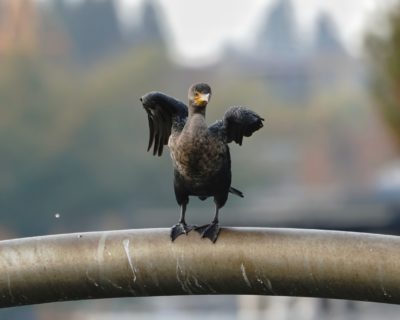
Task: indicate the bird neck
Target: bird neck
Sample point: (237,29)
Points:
(197,110)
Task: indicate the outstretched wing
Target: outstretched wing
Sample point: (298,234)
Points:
(164,113)
(238,122)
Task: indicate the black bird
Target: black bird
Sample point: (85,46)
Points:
(200,153)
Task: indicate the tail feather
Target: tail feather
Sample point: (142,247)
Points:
(236,192)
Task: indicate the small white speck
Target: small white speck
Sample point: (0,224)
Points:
(57,215)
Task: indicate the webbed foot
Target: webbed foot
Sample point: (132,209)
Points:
(180,228)
(209,231)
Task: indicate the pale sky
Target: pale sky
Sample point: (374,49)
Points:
(224,20)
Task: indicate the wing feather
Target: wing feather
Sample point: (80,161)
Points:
(163,112)
(151,129)
(239,122)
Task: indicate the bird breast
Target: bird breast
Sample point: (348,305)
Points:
(196,153)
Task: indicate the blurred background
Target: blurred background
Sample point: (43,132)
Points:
(73,135)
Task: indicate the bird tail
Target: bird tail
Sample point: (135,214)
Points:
(236,192)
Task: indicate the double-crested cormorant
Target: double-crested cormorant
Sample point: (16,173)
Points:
(200,153)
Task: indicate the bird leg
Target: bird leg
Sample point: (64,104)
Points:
(211,230)
(181,227)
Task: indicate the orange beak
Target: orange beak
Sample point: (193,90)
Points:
(202,99)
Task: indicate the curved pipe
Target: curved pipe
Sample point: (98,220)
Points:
(289,262)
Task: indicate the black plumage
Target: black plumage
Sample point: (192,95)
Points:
(200,153)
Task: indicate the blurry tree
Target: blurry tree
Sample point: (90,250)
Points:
(93,27)
(69,141)
(278,34)
(327,38)
(151,29)
(384,52)
(68,136)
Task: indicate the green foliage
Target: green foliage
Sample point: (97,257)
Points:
(70,139)
(384,53)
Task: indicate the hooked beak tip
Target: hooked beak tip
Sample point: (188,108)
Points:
(204,97)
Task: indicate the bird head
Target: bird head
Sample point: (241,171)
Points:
(199,95)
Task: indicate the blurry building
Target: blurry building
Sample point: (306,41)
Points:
(26,29)
(18,27)
(329,64)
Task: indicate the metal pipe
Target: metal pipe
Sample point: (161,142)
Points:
(289,262)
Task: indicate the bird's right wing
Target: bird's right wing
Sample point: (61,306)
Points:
(163,113)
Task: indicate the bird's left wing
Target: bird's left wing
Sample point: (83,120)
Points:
(238,122)
(164,112)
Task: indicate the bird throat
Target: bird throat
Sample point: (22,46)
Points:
(193,110)
(196,126)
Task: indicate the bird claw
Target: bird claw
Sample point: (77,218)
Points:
(180,228)
(210,231)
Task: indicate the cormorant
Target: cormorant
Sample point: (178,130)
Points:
(200,153)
